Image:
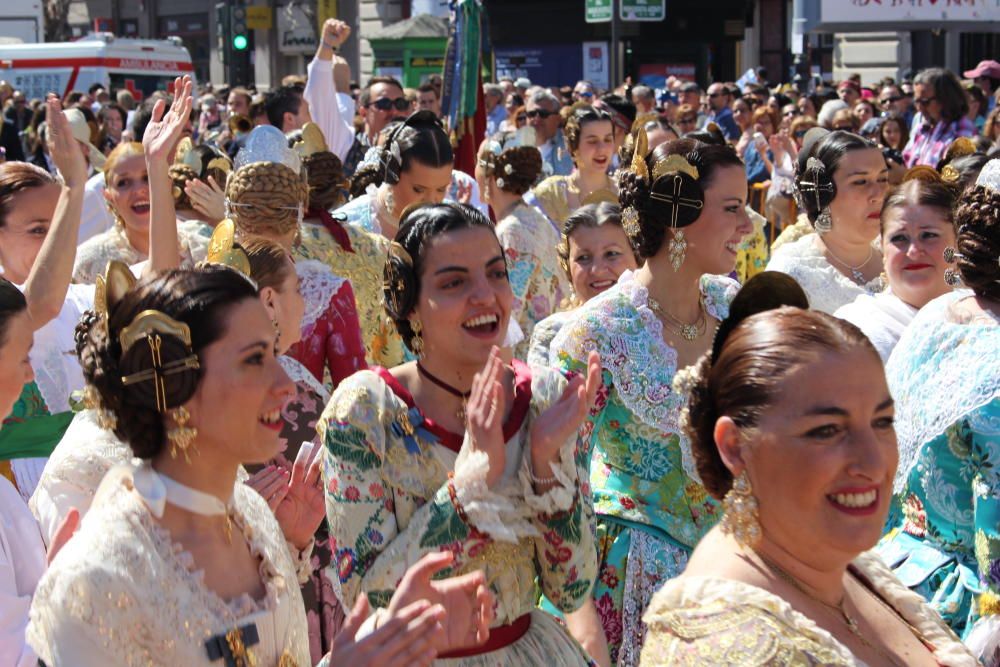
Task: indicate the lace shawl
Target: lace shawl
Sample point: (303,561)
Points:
(627,334)
(121,592)
(714,621)
(317,284)
(939,372)
(827,288)
(881,317)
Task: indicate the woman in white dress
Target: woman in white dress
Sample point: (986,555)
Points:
(916,228)
(841,183)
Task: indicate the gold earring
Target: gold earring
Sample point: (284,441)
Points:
(277,333)
(181,436)
(417,341)
(739,518)
(677,250)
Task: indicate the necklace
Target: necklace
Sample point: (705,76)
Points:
(856,274)
(197,502)
(690,331)
(839,609)
(464,395)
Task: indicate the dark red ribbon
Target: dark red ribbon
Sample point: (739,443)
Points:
(333,226)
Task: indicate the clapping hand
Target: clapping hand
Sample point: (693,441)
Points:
(164,131)
(467,598)
(484,414)
(563,418)
(65,150)
(408,638)
(296,498)
(207,198)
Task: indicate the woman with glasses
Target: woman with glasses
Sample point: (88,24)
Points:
(686,118)
(943,108)
(589,136)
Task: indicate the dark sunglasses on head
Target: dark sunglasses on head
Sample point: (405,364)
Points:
(540,113)
(385,104)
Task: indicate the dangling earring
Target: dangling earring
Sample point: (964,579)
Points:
(417,341)
(677,249)
(824,222)
(277,333)
(739,518)
(181,436)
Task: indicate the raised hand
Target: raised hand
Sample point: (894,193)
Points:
(164,130)
(484,416)
(335,32)
(65,150)
(467,599)
(564,417)
(303,508)
(407,638)
(463,193)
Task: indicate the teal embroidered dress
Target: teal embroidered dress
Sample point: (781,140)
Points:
(945,540)
(390,500)
(651,508)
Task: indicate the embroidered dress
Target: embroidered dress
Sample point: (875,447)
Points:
(544,333)
(121,592)
(552,197)
(390,501)
(651,506)
(882,317)
(700,621)
(358,256)
(42,412)
(331,335)
(945,377)
(538,283)
(826,287)
(92,256)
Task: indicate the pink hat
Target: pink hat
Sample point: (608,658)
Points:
(990,68)
(848,83)
(867,94)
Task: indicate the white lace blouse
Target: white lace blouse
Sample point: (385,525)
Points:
(826,287)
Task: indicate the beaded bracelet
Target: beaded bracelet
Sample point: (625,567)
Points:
(541,481)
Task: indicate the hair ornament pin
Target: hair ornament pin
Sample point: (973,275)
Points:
(922,172)
(151,326)
(638,166)
(109,289)
(222,249)
(674,164)
(630,222)
(989,177)
(397,250)
(500,183)
(508,169)
(312,141)
(371,158)
(267,143)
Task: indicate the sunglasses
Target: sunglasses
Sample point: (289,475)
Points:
(921,101)
(890,100)
(789,114)
(521,118)
(588,95)
(714,95)
(800,134)
(385,104)
(540,113)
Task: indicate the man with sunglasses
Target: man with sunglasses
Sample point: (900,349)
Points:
(381,102)
(719,100)
(583,91)
(542,110)
(891,99)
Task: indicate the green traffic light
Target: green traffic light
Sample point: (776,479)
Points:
(240,42)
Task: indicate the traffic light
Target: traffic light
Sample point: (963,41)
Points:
(238,27)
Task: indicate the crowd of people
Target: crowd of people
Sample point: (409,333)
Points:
(673,377)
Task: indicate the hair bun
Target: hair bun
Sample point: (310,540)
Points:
(768,290)
(675,198)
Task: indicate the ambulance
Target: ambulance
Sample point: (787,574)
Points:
(141,66)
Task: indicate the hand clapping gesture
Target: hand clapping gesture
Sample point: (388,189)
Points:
(485,413)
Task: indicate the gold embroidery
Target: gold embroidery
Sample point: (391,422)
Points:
(243,656)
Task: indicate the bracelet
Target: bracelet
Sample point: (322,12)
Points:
(453,494)
(541,481)
(330,46)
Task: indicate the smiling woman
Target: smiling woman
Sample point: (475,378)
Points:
(127,194)
(785,577)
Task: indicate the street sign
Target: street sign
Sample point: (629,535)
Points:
(643,10)
(598,11)
(260,18)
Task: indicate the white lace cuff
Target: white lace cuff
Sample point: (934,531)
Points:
(560,497)
(488,511)
(302,560)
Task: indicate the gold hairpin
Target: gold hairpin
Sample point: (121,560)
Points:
(960,147)
(312,141)
(674,164)
(222,249)
(220,163)
(395,248)
(638,166)
(160,370)
(150,322)
(922,172)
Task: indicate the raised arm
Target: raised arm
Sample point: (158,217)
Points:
(52,270)
(321,91)
(158,143)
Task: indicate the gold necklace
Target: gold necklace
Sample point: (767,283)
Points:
(839,609)
(688,332)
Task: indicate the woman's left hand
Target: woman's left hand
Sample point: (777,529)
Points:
(563,418)
(164,131)
(299,505)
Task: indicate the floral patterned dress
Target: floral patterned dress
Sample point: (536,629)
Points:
(945,537)
(358,256)
(399,486)
(650,504)
(539,285)
(331,336)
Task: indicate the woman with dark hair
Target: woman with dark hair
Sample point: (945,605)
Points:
(177,561)
(593,252)
(894,134)
(841,181)
(916,228)
(590,138)
(413,167)
(945,377)
(683,206)
(460,451)
(943,107)
(785,578)
(978,107)
(526,236)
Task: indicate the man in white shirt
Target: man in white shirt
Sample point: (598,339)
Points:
(543,115)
